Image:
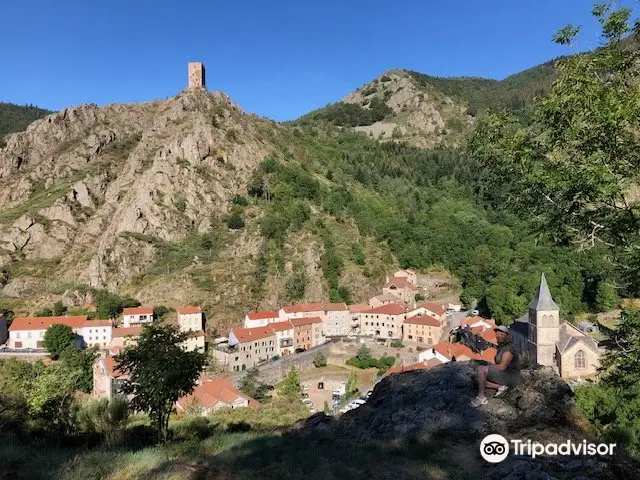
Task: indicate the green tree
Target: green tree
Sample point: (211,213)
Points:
(45,312)
(320,360)
(326,409)
(290,387)
(253,386)
(364,354)
(159,372)
(621,366)
(160,311)
(80,360)
(109,306)
(59,309)
(57,338)
(297,282)
(606,297)
(351,388)
(573,170)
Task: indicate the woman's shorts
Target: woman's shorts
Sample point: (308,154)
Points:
(510,378)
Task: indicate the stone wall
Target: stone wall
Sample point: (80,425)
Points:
(275,371)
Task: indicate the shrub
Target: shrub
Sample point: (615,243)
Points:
(57,338)
(419,297)
(106,418)
(242,201)
(320,360)
(235,222)
(397,344)
(180,203)
(196,428)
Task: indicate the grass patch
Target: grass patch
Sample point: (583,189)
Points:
(203,279)
(39,198)
(39,268)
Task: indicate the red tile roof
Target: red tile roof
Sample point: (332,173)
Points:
(110,367)
(250,334)
(400,282)
(433,307)
(468,321)
(388,309)
(489,336)
(426,320)
(262,315)
(126,332)
(187,310)
(97,323)
(300,322)
(315,307)
(138,311)
(212,390)
(42,323)
(281,326)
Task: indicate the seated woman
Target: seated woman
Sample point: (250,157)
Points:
(504,374)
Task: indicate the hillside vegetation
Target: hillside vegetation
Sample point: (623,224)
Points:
(15,118)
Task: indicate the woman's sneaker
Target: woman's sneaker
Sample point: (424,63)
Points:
(502,390)
(476,402)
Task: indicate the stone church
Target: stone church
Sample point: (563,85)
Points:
(541,337)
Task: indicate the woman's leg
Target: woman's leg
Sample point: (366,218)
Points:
(483,371)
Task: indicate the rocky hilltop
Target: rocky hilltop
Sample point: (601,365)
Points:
(134,198)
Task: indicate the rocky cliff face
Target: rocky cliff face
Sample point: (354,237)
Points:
(430,410)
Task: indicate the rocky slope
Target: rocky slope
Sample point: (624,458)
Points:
(134,198)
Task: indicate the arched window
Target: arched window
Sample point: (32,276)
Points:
(544,321)
(579,360)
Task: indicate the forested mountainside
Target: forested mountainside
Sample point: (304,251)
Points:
(15,118)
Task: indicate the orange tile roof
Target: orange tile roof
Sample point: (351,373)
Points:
(315,307)
(261,315)
(42,323)
(126,332)
(110,367)
(489,336)
(280,326)
(300,322)
(250,334)
(426,320)
(388,309)
(357,308)
(212,390)
(187,310)
(433,307)
(476,319)
(138,311)
(459,350)
(97,323)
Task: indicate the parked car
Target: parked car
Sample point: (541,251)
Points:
(475,312)
(307,401)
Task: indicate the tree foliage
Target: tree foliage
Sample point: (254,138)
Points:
(57,338)
(107,418)
(320,360)
(253,386)
(290,387)
(574,169)
(159,372)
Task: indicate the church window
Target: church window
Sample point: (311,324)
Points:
(579,360)
(544,320)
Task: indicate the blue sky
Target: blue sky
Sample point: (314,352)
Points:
(277,59)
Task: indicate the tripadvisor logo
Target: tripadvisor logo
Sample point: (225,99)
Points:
(495,448)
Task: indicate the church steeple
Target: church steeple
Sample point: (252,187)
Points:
(543,299)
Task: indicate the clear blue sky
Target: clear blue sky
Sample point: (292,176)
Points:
(278,58)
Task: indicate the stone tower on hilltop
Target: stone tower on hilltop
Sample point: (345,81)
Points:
(196,75)
(544,321)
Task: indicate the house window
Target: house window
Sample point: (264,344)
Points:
(17,334)
(579,360)
(28,334)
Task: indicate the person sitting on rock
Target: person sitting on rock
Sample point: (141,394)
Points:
(504,374)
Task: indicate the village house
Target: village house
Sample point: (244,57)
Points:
(107,380)
(260,319)
(409,274)
(28,332)
(211,394)
(307,332)
(460,352)
(247,348)
(122,337)
(402,288)
(191,320)
(421,365)
(423,329)
(429,308)
(137,316)
(380,300)
(284,332)
(431,354)
(383,322)
(543,340)
(336,320)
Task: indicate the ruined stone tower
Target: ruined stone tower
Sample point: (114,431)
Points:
(196,75)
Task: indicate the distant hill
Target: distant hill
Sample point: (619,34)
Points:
(431,111)
(15,118)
